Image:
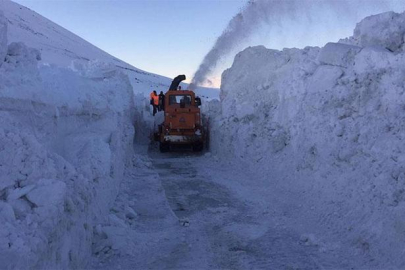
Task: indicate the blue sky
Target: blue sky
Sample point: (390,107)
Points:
(166,37)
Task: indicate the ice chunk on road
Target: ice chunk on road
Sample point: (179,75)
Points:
(19,192)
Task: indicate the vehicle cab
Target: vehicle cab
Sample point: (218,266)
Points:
(182,118)
(182,111)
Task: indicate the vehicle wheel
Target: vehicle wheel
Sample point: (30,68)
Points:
(164,147)
(198,147)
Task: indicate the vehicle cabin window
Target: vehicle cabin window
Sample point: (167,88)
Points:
(176,99)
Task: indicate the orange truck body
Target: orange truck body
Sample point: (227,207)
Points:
(182,123)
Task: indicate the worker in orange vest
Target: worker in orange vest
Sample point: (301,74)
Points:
(154,101)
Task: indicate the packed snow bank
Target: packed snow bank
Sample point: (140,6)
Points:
(329,123)
(65,137)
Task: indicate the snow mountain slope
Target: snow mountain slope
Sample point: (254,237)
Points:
(60,47)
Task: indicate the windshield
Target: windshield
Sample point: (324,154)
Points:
(177,99)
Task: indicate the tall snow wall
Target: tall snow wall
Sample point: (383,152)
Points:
(65,138)
(328,123)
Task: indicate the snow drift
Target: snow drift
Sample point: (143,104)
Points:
(328,123)
(65,137)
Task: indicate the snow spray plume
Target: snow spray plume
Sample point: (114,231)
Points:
(275,13)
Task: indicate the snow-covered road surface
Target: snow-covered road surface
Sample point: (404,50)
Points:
(194,212)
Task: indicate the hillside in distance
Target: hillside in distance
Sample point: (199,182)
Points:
(60,47)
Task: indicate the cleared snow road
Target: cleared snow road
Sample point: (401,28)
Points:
(195,214)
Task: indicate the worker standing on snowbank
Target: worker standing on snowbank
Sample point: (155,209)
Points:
(154,101)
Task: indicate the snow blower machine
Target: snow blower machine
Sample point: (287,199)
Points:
(181,126)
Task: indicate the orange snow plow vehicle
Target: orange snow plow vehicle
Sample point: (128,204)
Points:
(182,124)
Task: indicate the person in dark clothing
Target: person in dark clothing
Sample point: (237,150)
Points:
(197,101)
(179,88)
(161,101)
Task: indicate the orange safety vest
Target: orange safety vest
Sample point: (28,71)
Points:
(155,100)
